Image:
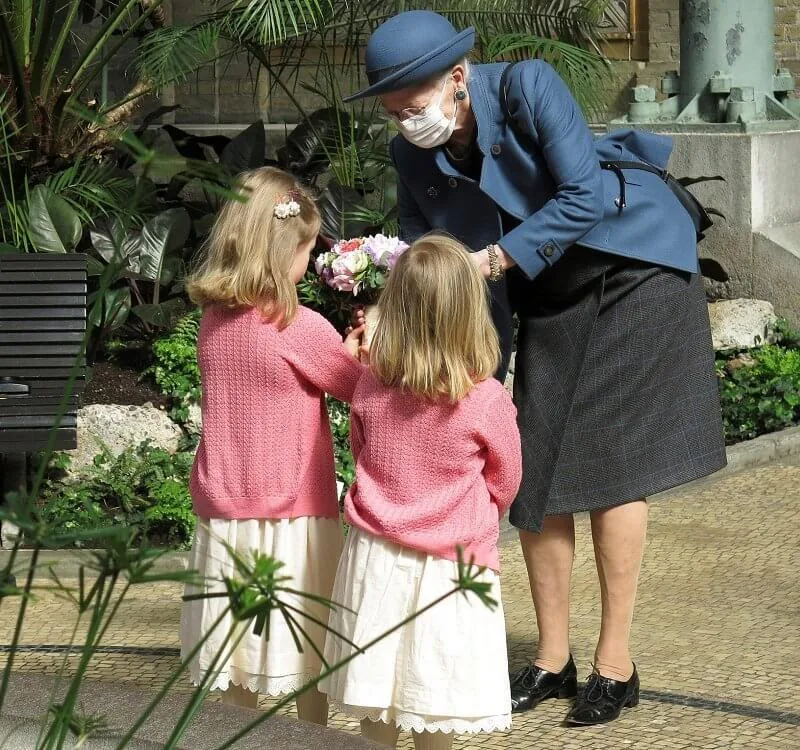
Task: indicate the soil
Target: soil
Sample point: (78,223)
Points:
(115,383)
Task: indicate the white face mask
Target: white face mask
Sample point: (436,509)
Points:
(430,128)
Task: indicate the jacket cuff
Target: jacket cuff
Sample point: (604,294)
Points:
(530,260)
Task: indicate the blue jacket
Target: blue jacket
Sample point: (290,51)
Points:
(549,178)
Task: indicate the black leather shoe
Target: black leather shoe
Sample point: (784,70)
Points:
(533,684)
(602,699)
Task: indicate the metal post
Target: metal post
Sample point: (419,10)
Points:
(725,44)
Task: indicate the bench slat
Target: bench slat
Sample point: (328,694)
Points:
(56,324)
(28,441)
(44,300)
(38,313)
(31,287)
(8,422)
(33,350)
(43,261)
(41,275)
(36,337)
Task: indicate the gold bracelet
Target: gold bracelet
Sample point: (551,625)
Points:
(496,271)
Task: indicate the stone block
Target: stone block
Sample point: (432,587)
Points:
(118,427)
(740,323)
(643,94)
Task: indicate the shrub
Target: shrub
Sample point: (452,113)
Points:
(760,389)
(175,369)
(339,416)
(143,486)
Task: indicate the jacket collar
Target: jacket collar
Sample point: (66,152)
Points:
(483,87)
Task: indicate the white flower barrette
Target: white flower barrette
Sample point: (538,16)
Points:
(287,206)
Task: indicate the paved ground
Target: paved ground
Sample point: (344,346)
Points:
(716,637)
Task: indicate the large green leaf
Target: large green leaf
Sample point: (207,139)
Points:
(161,315)
(159,237)
(246,150)
(112,243)
(111,309)
(55,226)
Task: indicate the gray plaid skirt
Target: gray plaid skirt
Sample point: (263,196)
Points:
(614,384)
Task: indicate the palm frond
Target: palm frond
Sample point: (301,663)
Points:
(271,22)
(95,190)
(566,21)
(585,73)
(173,53)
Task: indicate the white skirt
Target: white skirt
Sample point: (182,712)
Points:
(445,671)
(309,548)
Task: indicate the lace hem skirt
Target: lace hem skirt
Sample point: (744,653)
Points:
(309,548)
(445,671)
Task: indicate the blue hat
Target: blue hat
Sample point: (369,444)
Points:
(409,49)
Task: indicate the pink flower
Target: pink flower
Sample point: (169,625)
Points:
(343,283)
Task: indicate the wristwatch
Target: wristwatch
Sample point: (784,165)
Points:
(496,270)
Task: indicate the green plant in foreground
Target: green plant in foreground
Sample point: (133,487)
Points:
(142,486)
(760,390)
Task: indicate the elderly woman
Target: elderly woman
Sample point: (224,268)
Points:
(585,242)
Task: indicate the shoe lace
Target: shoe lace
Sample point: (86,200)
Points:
(593,691)
(526,677)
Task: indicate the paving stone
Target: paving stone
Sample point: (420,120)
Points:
(716,636)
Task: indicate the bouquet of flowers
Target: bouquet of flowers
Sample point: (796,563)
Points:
(359,267)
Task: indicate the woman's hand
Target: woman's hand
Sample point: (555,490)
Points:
(352,340)
(481,260)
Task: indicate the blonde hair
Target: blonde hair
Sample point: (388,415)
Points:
(249,253)
(435,335)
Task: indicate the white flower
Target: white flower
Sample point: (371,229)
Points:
(351,263)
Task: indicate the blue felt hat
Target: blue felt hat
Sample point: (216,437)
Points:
(411,48)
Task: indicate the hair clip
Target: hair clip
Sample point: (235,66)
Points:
(287,205)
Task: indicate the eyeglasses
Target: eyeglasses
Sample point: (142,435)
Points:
(403,114)
(407,112)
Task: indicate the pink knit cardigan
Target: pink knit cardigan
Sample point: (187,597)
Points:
(266,450)
(434,475)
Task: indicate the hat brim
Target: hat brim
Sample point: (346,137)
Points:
(422,68)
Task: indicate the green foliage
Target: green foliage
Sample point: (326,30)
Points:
(339,416)
(175,369)
(143,486)
(760,389)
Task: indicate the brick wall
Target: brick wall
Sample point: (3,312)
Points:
(787,35)
(663,34)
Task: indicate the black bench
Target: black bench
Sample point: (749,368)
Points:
(42,326)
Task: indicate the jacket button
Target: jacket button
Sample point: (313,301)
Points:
(496,149)
(453,182)
(548,251)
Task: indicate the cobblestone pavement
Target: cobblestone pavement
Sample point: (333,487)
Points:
(716,635)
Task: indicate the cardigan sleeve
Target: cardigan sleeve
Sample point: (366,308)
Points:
(316,351)
(542,106)
(503,453)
